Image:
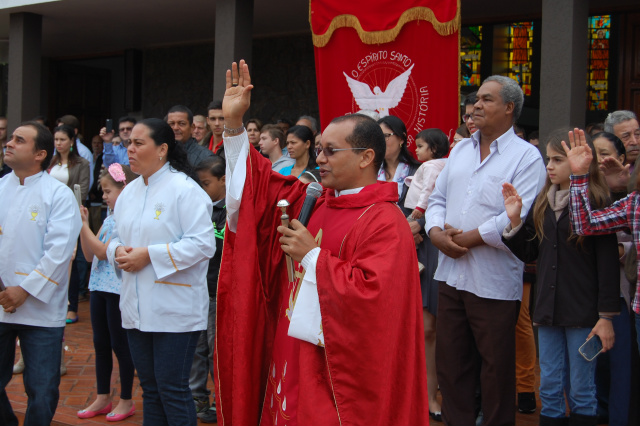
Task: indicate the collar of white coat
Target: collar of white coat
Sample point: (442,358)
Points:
(29,180)
(349,191)
(158,175)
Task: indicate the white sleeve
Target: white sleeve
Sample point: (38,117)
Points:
(236,150)
(63,228)
(306,320)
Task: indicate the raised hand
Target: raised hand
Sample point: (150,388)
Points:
(616,174)
(579,154)
(512,203)
(237,96)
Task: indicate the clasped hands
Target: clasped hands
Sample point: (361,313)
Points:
(131,259)
(296,241)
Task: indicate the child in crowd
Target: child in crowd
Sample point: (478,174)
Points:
(431,146)
(108,334)
(211,174)
(578,286)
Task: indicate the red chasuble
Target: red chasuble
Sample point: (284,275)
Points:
(372,368)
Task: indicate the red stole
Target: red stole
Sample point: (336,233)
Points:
(329,226)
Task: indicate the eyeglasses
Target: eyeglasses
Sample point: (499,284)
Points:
(126,129)
(328,151)
(388,135)
(466,117)
(625,137)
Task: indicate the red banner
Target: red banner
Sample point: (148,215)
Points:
(397,57)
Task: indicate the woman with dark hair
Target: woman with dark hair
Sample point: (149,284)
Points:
(71,169)
(398,162)
(254,128)
(164,240)
(302,148)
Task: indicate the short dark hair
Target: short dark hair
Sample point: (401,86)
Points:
(275,133)
(471,99)
(127,119)
(181,108)
(215,165)
(366,134)
(534,135)
(43,141)
(69,120)
(214,105)
(436,140)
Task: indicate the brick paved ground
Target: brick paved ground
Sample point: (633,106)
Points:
(78,387)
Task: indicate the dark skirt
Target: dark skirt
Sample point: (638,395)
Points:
(428,256)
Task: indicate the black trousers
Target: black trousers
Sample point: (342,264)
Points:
(475,338)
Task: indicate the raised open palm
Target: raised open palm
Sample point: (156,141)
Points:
(579,154)
(237,96)
(512,202)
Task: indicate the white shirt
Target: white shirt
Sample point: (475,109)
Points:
(40,223)
(60,172)
(171,216)
(468,196)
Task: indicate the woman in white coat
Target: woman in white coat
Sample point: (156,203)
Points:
(164,239)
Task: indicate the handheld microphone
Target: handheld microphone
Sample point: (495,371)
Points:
(314,190)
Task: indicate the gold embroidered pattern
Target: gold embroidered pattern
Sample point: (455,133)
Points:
(170,283)
(44,276)
(386,36)
(171,257)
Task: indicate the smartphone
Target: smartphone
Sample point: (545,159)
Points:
(109,125)
(591,348)
(77,191)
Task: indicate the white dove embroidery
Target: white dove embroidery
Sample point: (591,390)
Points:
(379,100)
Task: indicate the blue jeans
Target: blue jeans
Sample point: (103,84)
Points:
(41,350)
(163,362)
(562,368)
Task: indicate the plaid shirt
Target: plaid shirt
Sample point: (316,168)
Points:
(621,215)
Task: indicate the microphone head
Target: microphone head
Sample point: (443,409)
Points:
(314,189)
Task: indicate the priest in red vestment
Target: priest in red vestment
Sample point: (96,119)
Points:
(342,342)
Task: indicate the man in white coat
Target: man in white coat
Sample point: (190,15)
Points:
(39,225)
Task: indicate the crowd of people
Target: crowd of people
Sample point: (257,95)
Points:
(412,292)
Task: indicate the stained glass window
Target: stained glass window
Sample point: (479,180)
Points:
(598,80)
(470,54)
(520,49)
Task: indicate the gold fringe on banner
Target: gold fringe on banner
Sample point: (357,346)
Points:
(386,36)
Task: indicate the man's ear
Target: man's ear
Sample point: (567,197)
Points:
(223,179)
(41,155)
(511,108)
(368,157)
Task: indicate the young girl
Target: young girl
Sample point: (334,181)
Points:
(577,293)
(431,146)
(106,322)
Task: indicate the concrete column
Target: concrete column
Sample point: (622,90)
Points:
(25,59)
(234,35)
(563,74)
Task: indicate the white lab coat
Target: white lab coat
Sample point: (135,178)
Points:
(171,216)
(40,223)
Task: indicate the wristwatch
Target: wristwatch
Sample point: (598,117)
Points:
(233,132)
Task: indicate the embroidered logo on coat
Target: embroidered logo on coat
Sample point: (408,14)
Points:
(34,210)
(159,209)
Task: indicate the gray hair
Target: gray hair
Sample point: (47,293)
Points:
(510,92)
(313,121)
(618,117)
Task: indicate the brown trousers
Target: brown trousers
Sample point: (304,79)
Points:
(525,346)
(476,335)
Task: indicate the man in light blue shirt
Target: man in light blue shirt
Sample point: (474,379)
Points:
(481,280)
(117,153)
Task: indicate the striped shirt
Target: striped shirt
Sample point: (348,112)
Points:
(623,215)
